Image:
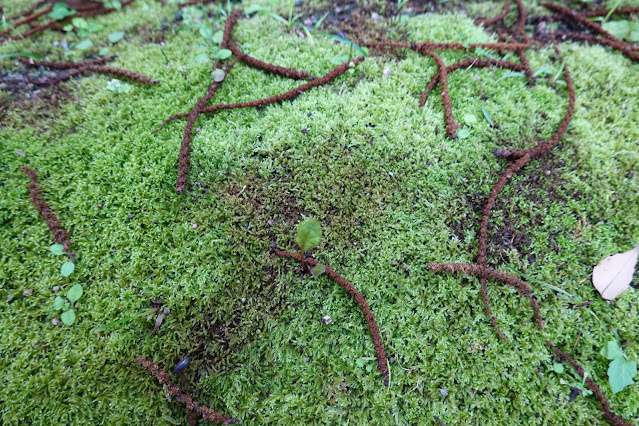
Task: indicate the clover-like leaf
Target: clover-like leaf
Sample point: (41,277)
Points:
(74,293)
(68,317)
(115,37)
(222,54)
(308,234)
(318,270)
(57,249)
(58,303)
(67,269)
(620,374)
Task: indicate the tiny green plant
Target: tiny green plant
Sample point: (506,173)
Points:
(67,306)
(308,236)
(621,370)
(210,47)
(68,267)
(574,382)
(61,11)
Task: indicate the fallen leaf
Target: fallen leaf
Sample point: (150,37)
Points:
(613,275)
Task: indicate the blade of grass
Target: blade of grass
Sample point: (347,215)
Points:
(120,321)
(550,286)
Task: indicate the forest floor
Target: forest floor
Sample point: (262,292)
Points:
(396,187)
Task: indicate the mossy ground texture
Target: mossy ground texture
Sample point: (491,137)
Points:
(392,192)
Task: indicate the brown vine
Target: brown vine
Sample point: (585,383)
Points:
(48,215)
(378,343)
(183,398)
(93,65)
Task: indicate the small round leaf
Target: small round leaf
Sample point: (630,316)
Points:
(74,293)
(318,270)
(58,303)
(222,54)
(57,249)
(67,269)
(463,133)
(68,317)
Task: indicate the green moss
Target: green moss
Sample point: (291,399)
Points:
(392,194)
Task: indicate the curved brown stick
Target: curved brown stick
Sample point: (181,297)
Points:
(617,45)
(526,156)
(521,22)
(60,78)
(55,24)
(477,270)
(28,19)
(626,10)
(563,126)
(29,11)
(291,94)
(256,63)
(489,21)
(101,69)
(466,63)
(380,352)
(605,405)
(83,66)
(433,45)
(183,398)
(64,65)
(184,160)
(451,125)
(587,23)
(48,215)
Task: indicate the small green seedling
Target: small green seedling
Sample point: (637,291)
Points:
(621,370)
(60,304)
(560,369)
(68,267)
(61,11)
(308,236)
(361,362)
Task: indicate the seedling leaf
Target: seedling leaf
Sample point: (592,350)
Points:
(74,293)
(558,367)
(222,54)
(308,234)
(318,270)
(613,275)
(67,269)
(57,249)
(612,350)
(620,374)
(463,133)
(68,317)
(115,37)
(58,303)
(84,45)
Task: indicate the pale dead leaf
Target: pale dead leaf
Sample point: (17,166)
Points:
(613,275)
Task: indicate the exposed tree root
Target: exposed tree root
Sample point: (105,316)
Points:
(627,49)
(477,270)
(47,213)
(76,68)
(83,10)
(380,352)
(183,398)
(605,405)
(291,94)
